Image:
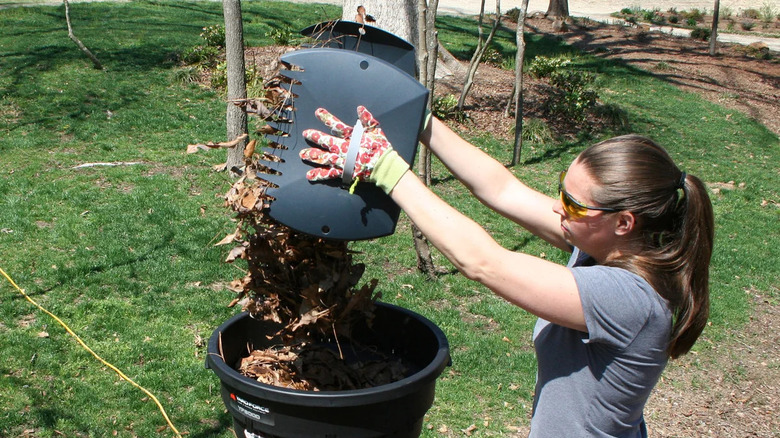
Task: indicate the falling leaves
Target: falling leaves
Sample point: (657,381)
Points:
(306,284)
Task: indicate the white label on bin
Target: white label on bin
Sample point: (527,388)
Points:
(249,405)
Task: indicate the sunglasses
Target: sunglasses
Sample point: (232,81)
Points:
(573,207)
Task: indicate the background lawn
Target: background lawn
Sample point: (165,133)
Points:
(125,254)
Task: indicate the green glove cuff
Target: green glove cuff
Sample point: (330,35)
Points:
(388,171)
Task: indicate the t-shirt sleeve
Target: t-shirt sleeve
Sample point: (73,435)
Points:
(616,303)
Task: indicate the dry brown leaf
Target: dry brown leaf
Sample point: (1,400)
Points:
(236,253)
(250,148)
(230,238)
(192,148)
(469,430)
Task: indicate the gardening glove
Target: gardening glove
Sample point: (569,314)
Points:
(374,159)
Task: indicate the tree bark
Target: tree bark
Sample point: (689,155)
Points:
(479,52)
(427,57)
(406,19)
(518,88)
(78,42)
(714,33)
(558,9)
(236,82)
(398,17)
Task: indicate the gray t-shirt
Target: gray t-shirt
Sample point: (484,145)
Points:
(595,384)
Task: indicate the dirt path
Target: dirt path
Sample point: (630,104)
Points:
(731,79)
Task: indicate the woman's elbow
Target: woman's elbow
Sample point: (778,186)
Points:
(475,269)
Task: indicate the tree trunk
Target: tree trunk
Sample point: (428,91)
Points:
(398,17)
(558,9)
(78,42)
(714,33)
(427,57)
(236,82)
(413,21)
(479,52)
(518,89)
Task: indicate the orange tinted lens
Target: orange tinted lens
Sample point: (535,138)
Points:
(571,207)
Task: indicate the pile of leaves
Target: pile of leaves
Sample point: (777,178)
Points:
(318,367)
(306,284)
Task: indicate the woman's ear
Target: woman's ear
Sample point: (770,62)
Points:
(626,223)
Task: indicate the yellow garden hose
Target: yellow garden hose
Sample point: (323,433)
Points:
(86,347)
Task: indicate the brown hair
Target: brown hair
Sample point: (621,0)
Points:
(675,226)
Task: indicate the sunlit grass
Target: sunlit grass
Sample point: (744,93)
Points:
(125,254)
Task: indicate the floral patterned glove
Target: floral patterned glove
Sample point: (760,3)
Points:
(374,158)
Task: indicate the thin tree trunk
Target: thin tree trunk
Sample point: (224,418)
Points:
(427,56)
(479,52)
(714,33)
(518,88)
(78,42)
(236,81)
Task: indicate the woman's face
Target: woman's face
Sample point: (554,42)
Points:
(595,232)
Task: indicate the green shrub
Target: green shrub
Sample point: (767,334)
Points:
(696,14)
(767,13)
(219,76)
(536,131)
(627,11)
(508,64)
(613,116)
(701,33)
(186,75)
(757,50)
(492,57)
(205,56)
(543,66)
(653,16)
(691,22)
(674,19)
(747,25)
(214,35)
(573,97)
(513,15)
(446,107)
(281,37)
(751,13)
(254,82)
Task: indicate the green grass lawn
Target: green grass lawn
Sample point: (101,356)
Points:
(125,254)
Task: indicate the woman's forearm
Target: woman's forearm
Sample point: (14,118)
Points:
(466,162)
(493,184)
(541,287)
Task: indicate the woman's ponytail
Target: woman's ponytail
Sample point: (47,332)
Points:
(675,226)
(696,236)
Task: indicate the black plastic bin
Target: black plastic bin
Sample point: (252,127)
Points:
(392,410)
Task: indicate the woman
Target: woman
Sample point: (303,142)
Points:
(635,291)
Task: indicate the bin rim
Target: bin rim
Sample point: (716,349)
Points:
(354,397)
